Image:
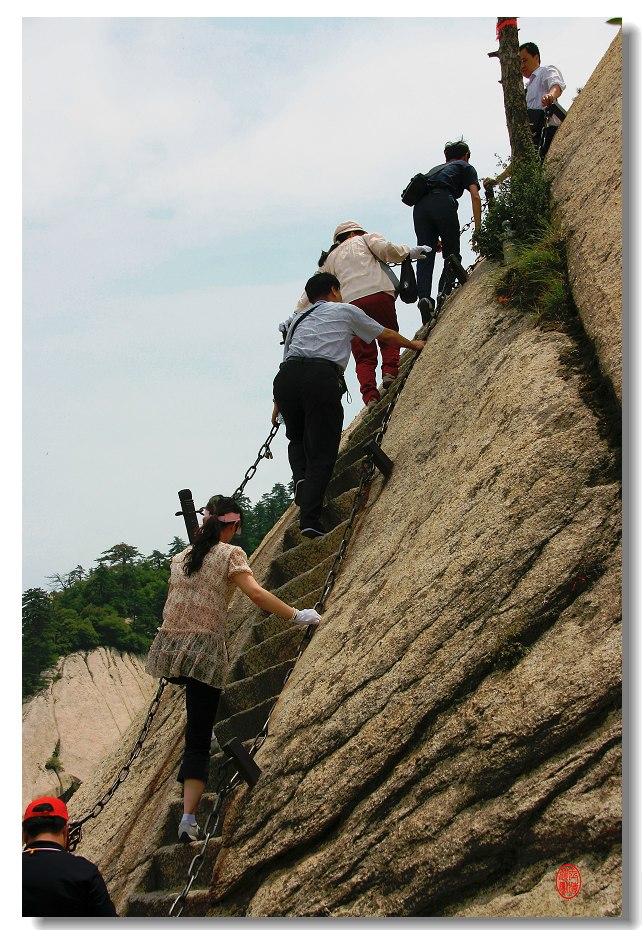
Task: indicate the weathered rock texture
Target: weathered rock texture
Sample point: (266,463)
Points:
(455,720)
(451,736)
(89,703)
(585,164)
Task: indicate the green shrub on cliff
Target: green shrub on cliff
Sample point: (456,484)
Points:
(524,200)
(535,280)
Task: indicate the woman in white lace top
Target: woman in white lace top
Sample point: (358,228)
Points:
(190,647)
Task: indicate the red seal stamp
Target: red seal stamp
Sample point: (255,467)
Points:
(568,880)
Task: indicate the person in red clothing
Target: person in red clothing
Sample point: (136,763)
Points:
(359,260)
(56,883)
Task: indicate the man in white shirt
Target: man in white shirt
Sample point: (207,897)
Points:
(309,385)
(545,85)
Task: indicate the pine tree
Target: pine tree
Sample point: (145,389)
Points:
(38,647)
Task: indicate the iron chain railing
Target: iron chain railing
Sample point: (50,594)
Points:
(357,503)
(225,785)
(75,828)
(263,453)
(368,468)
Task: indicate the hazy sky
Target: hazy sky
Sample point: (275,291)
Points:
(180,177)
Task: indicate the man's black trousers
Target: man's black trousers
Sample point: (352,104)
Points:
(308,394)
(435,217)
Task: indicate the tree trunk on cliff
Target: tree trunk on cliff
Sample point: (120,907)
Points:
(519,133)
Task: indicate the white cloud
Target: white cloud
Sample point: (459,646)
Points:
(146,141)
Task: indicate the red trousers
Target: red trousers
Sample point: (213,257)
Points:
(380,307)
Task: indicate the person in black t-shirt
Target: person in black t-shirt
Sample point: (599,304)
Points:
(54,882)
(435,216)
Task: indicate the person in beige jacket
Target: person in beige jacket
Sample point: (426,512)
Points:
(359,260)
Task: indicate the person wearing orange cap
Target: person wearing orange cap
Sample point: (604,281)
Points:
(56,883)
(359,260)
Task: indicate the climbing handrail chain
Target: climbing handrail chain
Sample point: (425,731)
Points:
(75,828)
(263,453)
(366,477)
(225,785)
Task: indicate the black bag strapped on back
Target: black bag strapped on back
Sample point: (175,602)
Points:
(407,282)
(418,186)
(414,190)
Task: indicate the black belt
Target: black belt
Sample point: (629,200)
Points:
(318,361)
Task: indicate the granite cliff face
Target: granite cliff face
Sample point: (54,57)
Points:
(451,736)
(587,187)
(88,705)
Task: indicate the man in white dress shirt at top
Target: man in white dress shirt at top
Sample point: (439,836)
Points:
(545,85)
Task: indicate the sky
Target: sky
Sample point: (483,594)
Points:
(169,183)
(180,177)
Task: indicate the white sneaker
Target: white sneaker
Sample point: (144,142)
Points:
(189,833)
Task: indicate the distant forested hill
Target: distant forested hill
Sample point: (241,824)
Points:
(120,602)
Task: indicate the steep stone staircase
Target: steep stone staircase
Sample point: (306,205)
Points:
(297,575)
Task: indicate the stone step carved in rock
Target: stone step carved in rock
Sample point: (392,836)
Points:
(245,725)
(245,693)
(272,651)
(339,508)
(170,864)
(158,903)
(302,558)
(307,581)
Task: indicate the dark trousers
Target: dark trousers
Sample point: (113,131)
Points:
(201,702)
(435,217)
(308,394)
(542,134)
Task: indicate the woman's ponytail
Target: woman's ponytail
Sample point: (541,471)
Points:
(209,533)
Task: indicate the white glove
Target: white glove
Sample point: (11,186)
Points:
(283,327)
(307,617)
(419,251)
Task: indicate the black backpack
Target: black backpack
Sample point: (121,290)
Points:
(418,186)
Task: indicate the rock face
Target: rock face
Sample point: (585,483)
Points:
(585,163)
(451,736)
(87,707)
(455,719)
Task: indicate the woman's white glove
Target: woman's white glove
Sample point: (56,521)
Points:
(419,251)
(307,617)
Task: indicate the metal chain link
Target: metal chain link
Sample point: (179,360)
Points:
(357,501)
(75,828)
(263,453)
(463,229)
(225,785)
(366,478)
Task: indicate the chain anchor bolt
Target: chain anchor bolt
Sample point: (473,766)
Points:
(245,764)
(379,457)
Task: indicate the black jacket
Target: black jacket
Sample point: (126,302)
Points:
(57,884)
